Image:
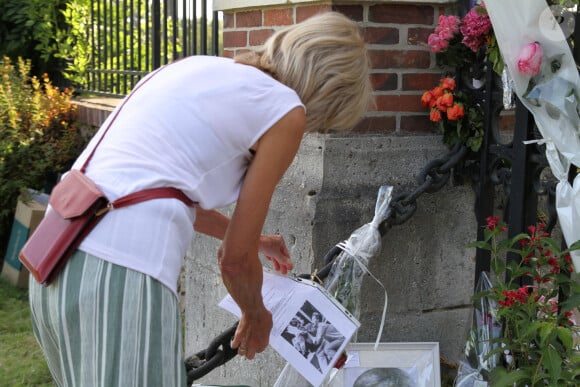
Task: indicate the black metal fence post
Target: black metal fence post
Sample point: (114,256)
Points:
(130,38)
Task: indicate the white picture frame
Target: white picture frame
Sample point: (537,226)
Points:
(402,364)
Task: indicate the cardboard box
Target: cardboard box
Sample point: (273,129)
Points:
(28,215)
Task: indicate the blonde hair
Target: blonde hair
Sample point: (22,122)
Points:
(325,60)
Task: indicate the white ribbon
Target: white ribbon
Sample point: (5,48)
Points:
(540,141)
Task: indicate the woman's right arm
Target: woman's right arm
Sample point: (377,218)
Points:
(214,224)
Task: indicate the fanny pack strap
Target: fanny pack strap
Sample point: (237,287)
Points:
(113,118)
(147,194)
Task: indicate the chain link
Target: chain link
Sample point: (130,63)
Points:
(431,179)
(212,357)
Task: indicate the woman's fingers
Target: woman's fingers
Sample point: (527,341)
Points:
(253,334)
(275,250)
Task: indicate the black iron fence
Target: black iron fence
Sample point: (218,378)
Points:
(129,38)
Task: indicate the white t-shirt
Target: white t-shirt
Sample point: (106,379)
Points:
(189,125)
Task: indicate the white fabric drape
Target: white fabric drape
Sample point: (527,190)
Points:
(556,96)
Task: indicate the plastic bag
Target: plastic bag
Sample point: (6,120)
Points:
(468,377)
(347,272)
(480,346)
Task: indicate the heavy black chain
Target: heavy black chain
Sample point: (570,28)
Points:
(431,179)
(212,357)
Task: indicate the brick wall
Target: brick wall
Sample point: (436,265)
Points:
(403,66)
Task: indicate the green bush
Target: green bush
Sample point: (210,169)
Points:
(38,135)
(28,29)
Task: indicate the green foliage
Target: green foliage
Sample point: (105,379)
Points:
(38,134)
(469,130)
(72,43)
(539,340)
(52,33)
(28,29)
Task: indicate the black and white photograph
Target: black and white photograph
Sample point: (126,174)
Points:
(313,336)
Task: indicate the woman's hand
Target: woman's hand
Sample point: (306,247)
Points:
(274,249)
(253,333)
(242,276)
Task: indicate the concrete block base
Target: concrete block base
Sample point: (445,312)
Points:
(328,192)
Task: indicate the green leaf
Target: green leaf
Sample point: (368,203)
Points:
(546,330)
(515,241)
(565,336)
(575,246)
(554,246)
(553,363)
(498,266)
(533,327)
(504,244)
(502,378)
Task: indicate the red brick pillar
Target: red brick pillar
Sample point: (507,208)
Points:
(396,32)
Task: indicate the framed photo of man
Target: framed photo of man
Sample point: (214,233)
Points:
(390,365)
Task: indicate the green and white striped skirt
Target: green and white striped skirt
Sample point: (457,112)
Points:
(103,325)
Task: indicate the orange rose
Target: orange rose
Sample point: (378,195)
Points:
(437,91)
(448,84)
(455,112)
(445,102)
(428,99)
(435,115)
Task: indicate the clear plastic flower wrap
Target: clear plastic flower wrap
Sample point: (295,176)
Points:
(482,349)
(346,274)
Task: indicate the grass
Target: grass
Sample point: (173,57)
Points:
(21,360)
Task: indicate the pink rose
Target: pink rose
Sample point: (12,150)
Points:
(436,43)
(475,28)
(530,59)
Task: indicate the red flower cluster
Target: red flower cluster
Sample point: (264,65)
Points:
(492,222)
(543,256)
(441,101)
(513,297)
(533,322)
